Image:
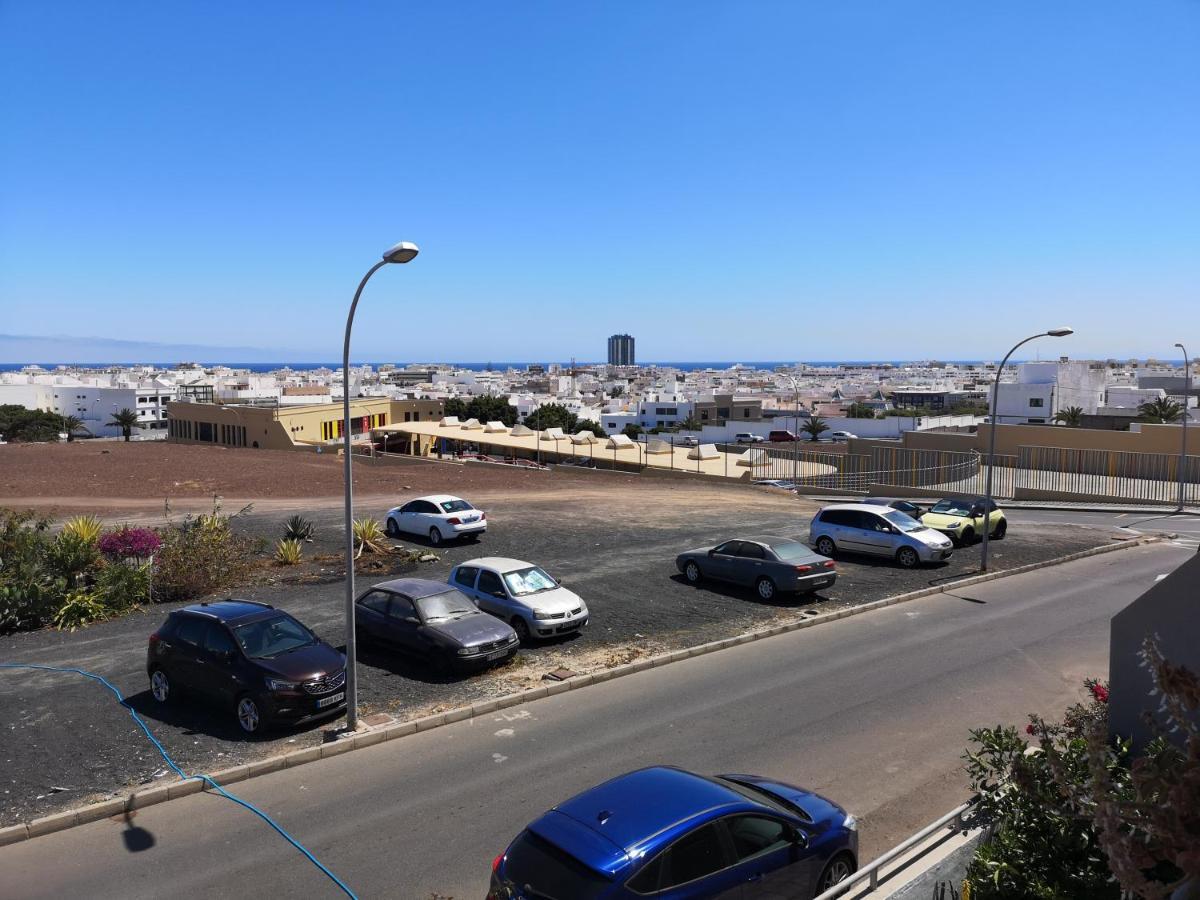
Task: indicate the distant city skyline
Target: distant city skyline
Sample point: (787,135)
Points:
(911,179)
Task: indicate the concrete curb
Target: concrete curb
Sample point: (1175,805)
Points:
(162,793)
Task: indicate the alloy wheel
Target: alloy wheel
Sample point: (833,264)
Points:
(838,871)
(907,557)
(435,536)
(247,713)
(692,571)
(160,686)
(766,588)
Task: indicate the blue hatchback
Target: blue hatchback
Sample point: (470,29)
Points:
(664,832)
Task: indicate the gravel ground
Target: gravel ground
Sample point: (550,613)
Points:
(612,538)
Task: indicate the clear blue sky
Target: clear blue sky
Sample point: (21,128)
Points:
(757,180)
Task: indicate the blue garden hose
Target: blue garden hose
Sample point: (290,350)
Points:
(178,771)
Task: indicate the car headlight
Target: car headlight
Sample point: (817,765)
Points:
(954,524)
(543,615)
(851,823)
(275,684)
(465,651)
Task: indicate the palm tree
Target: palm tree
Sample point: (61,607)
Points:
(813,428)
(1164,410)
(690,423)
(126,420)
(1072,416)
(72,424)
(859,411)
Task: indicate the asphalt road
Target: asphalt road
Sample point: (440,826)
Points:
(872,711)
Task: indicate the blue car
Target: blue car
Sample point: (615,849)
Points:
(667,833)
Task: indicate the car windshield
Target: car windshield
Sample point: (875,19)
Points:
(529,581)
(903,521)
(789,551)
(953,507)
(455,506)
(452,604)
(273,637)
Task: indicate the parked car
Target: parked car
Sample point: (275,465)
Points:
(841,435)
(962,519)
(781,437)
(250,658)
(745,437)
(668,833)
(784,485)
(437,517)
(909,509)
(688,441)
(768,564)
(525,596)
(433,620)
(863,528)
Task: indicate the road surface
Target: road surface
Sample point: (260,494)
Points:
(872,710)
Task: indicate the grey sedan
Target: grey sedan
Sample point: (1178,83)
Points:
(433,620)
(768,564)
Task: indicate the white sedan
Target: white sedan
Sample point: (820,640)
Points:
(438,517)
(525,596)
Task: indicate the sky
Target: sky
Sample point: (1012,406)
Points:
(724,181)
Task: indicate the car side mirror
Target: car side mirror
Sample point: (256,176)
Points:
(499,594)
(799,838)
(712,552)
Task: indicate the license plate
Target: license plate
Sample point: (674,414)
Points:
(497,654)
(824,582)
(471,519)
(329,701)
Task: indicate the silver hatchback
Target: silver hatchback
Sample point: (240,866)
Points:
(867,529)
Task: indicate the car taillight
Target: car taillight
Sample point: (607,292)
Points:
(154,639)
(496,862)
(482,516)
(454,520)
(829,564)
(803,568)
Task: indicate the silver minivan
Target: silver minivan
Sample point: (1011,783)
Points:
(862,528)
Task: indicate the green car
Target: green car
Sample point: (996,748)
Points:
(962,519)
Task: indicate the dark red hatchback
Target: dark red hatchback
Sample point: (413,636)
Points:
(258,662)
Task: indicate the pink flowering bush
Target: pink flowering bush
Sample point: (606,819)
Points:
(139,543)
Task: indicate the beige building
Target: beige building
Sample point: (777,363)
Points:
(290,427)
(726,408)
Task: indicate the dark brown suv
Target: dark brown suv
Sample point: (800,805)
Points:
(250,658)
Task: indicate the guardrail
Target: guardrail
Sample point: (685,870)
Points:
(870,872)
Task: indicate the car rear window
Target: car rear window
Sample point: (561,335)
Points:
(456,506)
(534,863)
(790,550)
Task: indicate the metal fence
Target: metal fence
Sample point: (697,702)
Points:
(937,470)
(1111,474)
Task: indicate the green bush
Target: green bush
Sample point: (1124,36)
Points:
(30,589)
(1041,848)
(200,556)
(71,557)
(81,607)
(121,586)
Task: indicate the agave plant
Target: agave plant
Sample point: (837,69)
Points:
(81,607)
(86,529)
(298,528)
(369,537)
(288,552)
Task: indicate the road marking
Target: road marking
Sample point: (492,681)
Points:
(1122,515)
(505,732)
(515,715)
(498,758)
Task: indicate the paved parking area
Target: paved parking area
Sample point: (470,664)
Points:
(612,539)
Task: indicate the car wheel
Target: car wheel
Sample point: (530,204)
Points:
(521,627)
(839,869)
(160,686)
(765,588)
(249,716)
(1000,531)
(435,536)
(392,529)
(907,557)
(826,547)
(692,572)
(967,537)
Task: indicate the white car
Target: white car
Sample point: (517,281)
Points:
(841,435)
(525,596)
(745,437)
(438,517)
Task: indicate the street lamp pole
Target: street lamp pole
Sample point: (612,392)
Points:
(796,439)
(1187,386)
(987,516)
(400,253)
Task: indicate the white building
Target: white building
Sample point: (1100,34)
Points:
(1044,388)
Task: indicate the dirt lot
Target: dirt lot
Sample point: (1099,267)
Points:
(611,537)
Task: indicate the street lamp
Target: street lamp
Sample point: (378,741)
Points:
(987,520)
(400,253)
(1187,386)
(796,438)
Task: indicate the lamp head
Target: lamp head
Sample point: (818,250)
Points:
(1180,346)
(402,252)
(1060,332)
